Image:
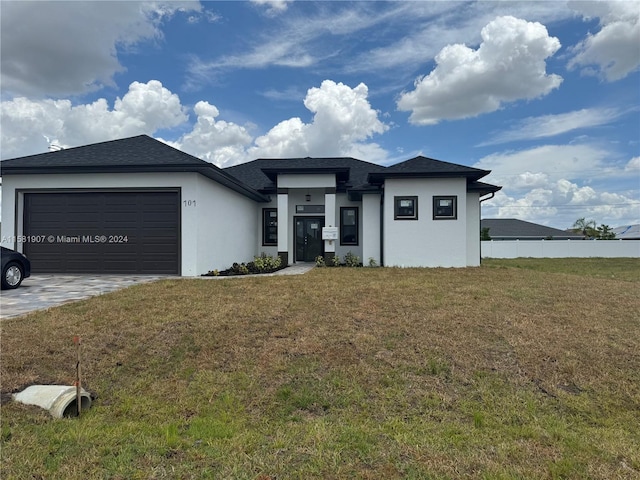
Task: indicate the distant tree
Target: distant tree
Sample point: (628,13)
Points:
(484,233)
(605,233)
(586,227)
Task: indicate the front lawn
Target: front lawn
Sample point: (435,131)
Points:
(490,372)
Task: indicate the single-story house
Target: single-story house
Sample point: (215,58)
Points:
(627,232)
(137,205)
(514,229)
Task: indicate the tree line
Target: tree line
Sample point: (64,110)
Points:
(589,230)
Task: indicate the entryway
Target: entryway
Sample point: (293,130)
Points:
(309,243)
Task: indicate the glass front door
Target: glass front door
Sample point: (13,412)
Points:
(309,243)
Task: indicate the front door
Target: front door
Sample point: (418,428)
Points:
(309,243)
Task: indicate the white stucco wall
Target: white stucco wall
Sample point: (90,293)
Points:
(306,180)
(425,242)
(473,229)
(370,233)
(226,227)
(212,223)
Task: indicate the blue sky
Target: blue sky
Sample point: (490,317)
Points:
(545,94)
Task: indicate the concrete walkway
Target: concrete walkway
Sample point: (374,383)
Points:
(44,291)
(295,269)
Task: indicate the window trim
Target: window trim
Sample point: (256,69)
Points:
(265,212)
(396,203)
(357,225)
(454,199)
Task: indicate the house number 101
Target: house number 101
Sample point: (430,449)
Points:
(189,203)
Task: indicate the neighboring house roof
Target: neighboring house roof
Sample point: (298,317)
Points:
(128,155)
(627,232)
(512,229)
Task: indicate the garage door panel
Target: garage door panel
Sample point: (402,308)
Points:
(89,227)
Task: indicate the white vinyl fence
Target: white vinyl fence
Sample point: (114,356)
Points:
(560,248)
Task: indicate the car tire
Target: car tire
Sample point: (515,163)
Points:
(12,276)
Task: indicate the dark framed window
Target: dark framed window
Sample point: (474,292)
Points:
(445,207)
(269,226)
(405,208)
(348,225)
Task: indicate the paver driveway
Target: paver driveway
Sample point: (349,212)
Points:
(43,291)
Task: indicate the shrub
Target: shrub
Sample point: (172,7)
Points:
(372,262)
(320,261)
(351,260)
(266,263)
(335,261)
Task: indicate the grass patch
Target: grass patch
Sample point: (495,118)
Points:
(627,269)
(510,370)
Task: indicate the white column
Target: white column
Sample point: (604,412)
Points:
(370,235)
(330,220)
(283,226)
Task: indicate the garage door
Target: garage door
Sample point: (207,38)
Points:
(103,232)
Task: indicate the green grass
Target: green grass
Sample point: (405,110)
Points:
(514,370)
(615,268)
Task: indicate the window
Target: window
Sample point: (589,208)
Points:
(445,208)
(269,226)
(406,208)
(348,226)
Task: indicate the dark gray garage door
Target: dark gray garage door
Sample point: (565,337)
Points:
(103,232)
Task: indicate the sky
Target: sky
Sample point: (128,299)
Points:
(544,94)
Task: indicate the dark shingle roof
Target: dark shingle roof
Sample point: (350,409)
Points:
(427,167)
(145,154)
(482,188)
(511,228)
(137,151)
(256,172)
(360,175)
(127,155)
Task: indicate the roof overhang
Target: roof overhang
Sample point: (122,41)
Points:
(342,173)
(483,188)
(378,178)
(356,193)
(211,172)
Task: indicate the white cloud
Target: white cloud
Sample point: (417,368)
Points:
(533,128)
(509,65)
(549,190)
(219,142)
(291,94)
(274,7)
(561,203)
(633,165)
(301,41)
(554,161)
(62,48)
(285,52)
(615,48)
(433,25)
(145,108)
(343,119)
